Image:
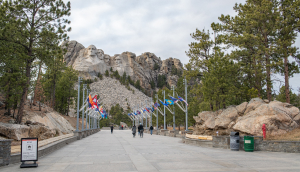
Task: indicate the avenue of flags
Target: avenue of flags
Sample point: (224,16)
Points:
(93,104)
(136,113)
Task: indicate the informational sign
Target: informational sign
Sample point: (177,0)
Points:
(29,149)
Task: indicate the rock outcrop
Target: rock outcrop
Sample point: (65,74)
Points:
(248,118)
(146,67)
(36,125)
(51,119)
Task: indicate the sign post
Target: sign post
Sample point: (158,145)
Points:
(29,152)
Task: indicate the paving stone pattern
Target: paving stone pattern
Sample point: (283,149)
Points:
(120,152)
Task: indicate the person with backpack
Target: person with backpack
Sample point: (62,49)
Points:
(141,129)
(134,130)
(151,130)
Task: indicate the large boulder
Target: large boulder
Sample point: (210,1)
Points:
(253,104)
(53,120)
(276,116)
(14,131)
(241,108)
(41,132)
(226,117)
(248,118)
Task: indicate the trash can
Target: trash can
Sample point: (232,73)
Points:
(234,141)
(248,143)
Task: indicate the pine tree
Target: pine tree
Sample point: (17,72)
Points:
(106,73)
(218,84)
(287,33)
(37,26)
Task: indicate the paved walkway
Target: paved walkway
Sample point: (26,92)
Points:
(120,152)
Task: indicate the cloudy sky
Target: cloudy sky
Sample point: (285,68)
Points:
(162,27)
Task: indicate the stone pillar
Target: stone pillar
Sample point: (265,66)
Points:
(5,149)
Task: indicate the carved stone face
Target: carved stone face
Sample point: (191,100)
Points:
(106,59)
(118,61)
(100,54)
(91,51)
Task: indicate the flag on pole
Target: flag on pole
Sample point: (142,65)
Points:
(91,103)
(94,102)
(170,102)
(147,110)
(181,99)
(138,112)
(173,99)
(156,104)
(165,104)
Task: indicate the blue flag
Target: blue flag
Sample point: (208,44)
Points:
(165,104)
(173,99)
(170,102)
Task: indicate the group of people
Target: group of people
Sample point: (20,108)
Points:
(140,130)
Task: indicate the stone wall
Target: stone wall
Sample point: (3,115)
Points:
(259,144)
(5,149)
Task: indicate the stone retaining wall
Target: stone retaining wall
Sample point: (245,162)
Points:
(5,147)
(259,144)
(197,142)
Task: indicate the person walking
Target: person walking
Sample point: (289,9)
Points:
(122,127)
(151,130)
(141,129)
(133,130)
(111,129)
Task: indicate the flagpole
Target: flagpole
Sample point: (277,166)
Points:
(83,90)
(90,121)
(87,93)
(151,114)
(146,112)
(156,114)
(164,112)
(77,124)
(186,109)
(142,114)
(173,87)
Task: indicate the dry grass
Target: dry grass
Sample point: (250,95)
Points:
(290,136)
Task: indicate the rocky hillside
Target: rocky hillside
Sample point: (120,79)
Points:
(248,118)
(147,67)
(112,92)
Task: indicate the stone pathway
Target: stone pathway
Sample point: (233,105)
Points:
(120,152)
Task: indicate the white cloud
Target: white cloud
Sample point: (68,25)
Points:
(162,27)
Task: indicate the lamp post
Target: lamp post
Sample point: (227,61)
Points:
(78,99)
